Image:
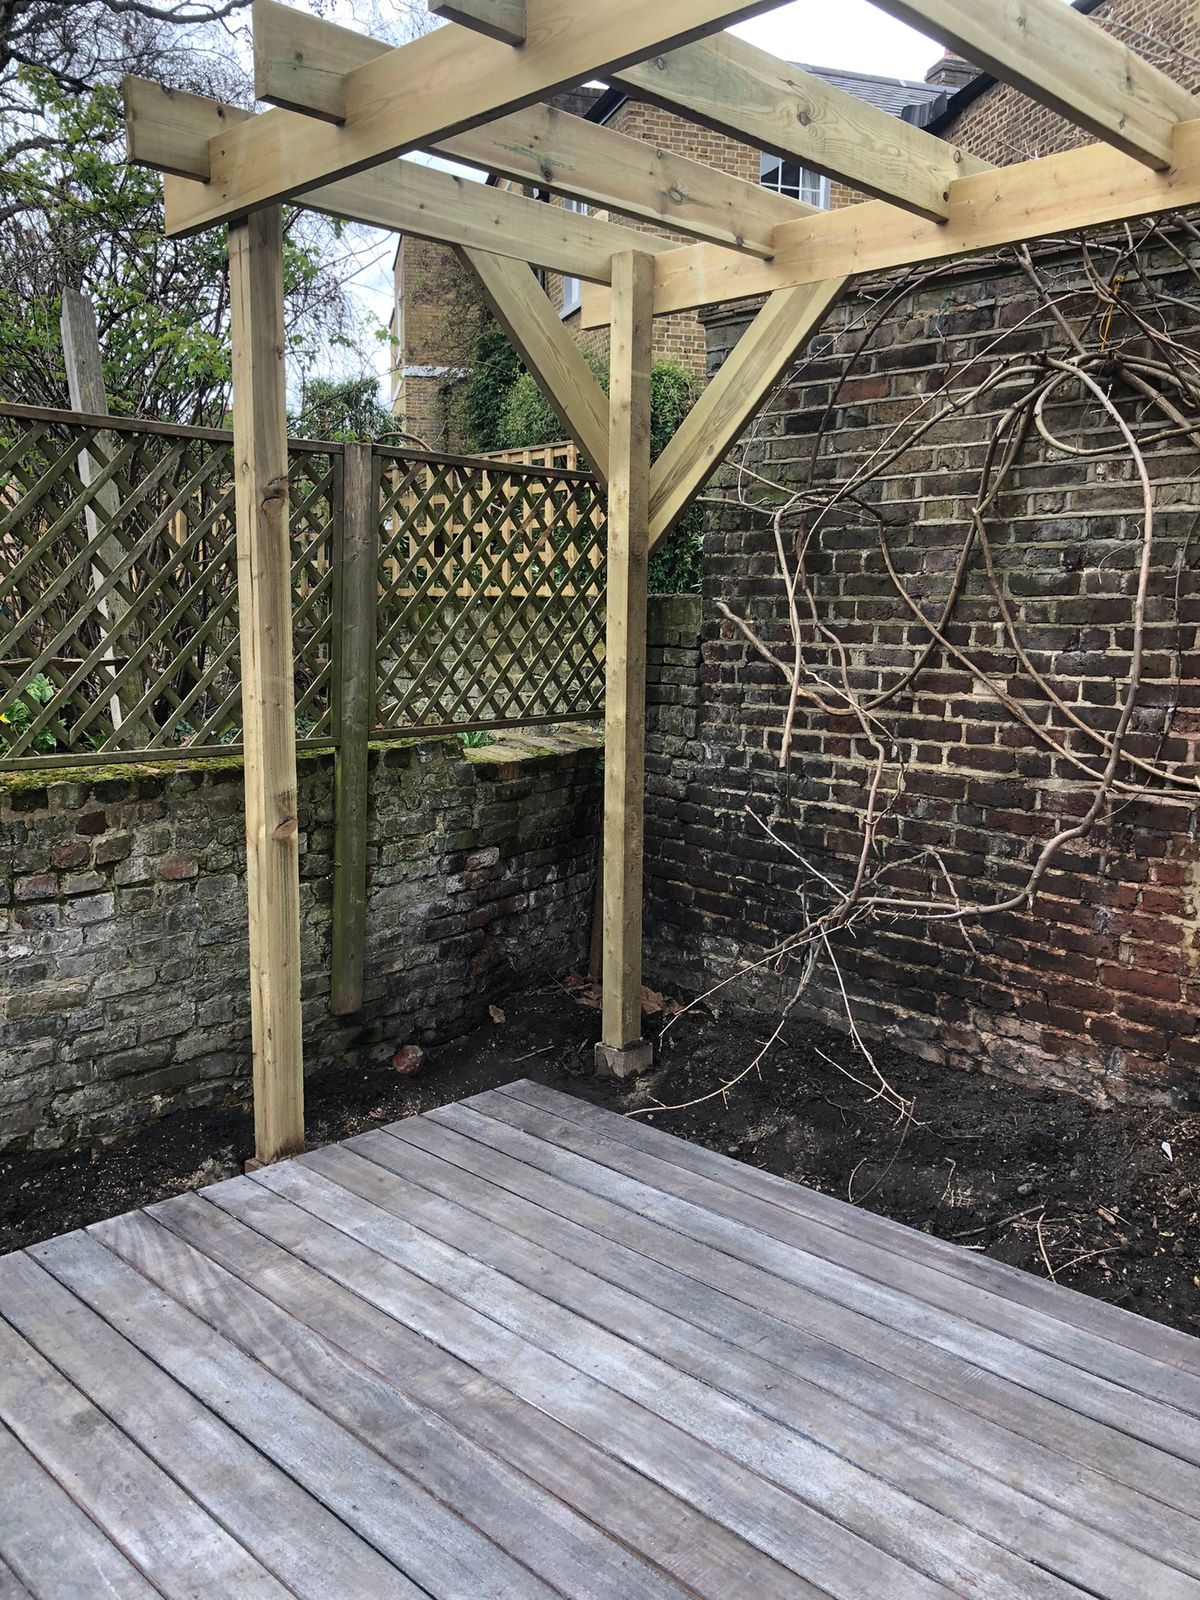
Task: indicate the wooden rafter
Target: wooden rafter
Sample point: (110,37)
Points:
(1065,61)
(170,126)
(422,92)
(729,85)
(504,20)
(1050,197)
(303,62)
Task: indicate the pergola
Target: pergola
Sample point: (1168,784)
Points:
(348,106)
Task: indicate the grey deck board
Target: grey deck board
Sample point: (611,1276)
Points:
(635,1510)
(821,1419)
(154,1522)
(817,1330)
(425,1540)
(254,1502)
(457,1166)
(982,1301)
(1091,1374)
(49,1543)
(1163,1344)
(11,1587)
(523,1347)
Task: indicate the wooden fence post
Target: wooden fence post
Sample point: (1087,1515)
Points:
(354,632)
(260,455)
(622,1051)
(85,387)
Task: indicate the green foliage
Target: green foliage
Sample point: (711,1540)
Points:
(38,692)
(476,739)
(495,367)
(504,409)
(74,214)
(346,411)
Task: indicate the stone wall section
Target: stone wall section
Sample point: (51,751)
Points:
(123,957)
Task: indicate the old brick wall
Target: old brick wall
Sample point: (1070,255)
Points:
(1096,987)
(440,313)
(123,962)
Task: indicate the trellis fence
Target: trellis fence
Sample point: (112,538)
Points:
(430,592)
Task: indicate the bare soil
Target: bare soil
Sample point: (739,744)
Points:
(1108,1201)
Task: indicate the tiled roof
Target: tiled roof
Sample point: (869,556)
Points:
(889,94)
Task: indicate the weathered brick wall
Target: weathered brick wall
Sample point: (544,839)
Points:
(440,314)
(123,961)
(1096,987)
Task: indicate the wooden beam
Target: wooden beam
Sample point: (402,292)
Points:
(759,359)
(268,701)
(1047,198)
(302,62)
(621,1050)
(172,130)
(428,204)
(570,156)
(414,96)
(1065,61)
(409,198)
(729,85)
(498,19)
(355,609)
(523,310)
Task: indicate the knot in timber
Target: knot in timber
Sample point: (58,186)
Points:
(277,490)
(287,829)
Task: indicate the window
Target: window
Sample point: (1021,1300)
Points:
(790,178)
(572,289)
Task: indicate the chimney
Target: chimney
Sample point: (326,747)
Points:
(951,73)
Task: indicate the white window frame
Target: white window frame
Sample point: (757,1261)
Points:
(572,288)
(809,186)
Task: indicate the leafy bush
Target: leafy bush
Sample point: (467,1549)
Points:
(38,692)
(495,367)
(526,419)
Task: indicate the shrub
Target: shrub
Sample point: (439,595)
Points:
(495,368)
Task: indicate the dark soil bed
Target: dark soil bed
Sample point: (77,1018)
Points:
(1109,1201)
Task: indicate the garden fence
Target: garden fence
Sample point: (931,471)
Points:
(434,593)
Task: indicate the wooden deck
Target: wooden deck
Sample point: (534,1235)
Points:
(523,1347)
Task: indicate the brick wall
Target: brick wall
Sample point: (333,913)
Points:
(440,314)
(122,904)
(1096,987)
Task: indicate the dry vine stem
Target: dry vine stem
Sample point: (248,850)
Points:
(1132,384)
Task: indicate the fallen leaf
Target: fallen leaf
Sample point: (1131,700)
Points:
(652,1002)
(408,1059)
(496,1014)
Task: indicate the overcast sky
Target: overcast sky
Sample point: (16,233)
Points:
(842,33)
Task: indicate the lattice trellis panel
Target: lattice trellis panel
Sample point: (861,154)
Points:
(118,588)
(491,590)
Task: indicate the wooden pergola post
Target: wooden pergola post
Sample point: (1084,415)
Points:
(268,694)
(622,1050)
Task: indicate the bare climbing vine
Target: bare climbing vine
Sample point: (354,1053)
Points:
(1113,380)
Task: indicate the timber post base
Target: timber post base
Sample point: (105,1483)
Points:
(624,1061)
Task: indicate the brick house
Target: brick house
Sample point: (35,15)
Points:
(437,312)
